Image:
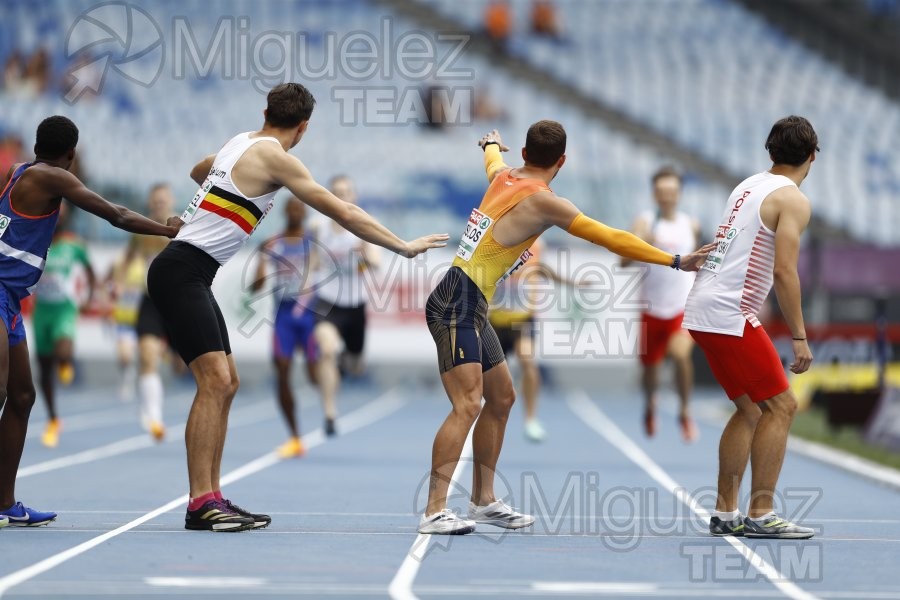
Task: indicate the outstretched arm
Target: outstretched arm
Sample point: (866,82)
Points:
(562,213)
(641,229)
(493,145)
(288,171)
(61,183)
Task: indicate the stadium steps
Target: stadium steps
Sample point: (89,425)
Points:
(589,105)
(843,34)
(567,94)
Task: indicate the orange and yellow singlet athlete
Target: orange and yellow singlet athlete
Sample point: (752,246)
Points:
(517,208)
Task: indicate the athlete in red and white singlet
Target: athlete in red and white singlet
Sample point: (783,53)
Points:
(757,247)
(663,293)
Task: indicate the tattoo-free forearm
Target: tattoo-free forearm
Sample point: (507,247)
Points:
(787,290)
(128,220)
(365,227)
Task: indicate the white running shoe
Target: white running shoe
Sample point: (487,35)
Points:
(499,514)
(534,431)
(445,522)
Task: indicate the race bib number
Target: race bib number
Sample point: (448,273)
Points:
(269,206)
(191,209)
(476,228)
(4,223)
(724,237)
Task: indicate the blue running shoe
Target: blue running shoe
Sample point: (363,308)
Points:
(22,516)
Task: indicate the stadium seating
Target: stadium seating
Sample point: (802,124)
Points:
(723,78)
(135,136)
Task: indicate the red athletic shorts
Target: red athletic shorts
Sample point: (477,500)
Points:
(656,335)
(744,365)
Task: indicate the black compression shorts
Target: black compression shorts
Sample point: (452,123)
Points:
(456,313)
(149,321)
(350,321)
(179,281)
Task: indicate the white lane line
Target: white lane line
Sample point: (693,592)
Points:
(845,460)
(590,413)
(371,412)
(829,455)
(245,415)
(400,587)
(205,582)
(594,587)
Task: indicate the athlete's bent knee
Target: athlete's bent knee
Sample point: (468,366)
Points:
(235,384)
(218,387)
(749,411)
(22,402)
(468,406)
(503,402)
(784,405)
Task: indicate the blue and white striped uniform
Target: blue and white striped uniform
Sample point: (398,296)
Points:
(24,241)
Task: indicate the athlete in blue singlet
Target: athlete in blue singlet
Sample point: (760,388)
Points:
(288,260)
(29,208)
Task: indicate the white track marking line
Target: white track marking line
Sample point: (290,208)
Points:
(580,404)
(595,587)
(829,455)
(205,582)
(400,587)
(137,442)
(846,461)
(385,405)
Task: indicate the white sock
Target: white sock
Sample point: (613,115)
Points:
(769,515)
(727,517)
(150,388)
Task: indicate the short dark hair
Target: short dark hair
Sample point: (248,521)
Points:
(791,141)
(288,105)
(545,143)
(666,171)
(55,136)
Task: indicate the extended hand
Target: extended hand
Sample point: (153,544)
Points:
(493,136)
(695,260)
(802,357)
(425,243)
